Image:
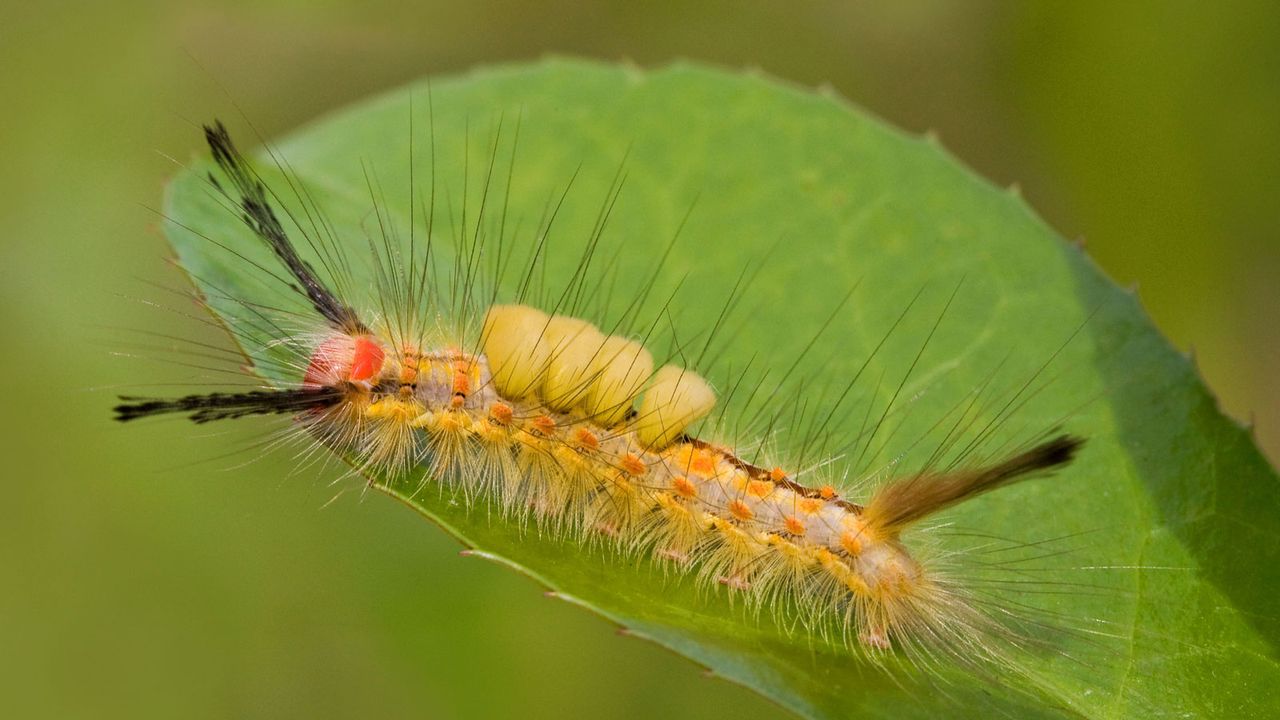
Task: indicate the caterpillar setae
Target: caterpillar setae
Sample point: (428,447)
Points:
(573,427)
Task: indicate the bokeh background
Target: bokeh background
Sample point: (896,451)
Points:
(136,582)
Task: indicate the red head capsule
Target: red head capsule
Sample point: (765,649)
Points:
(342,358)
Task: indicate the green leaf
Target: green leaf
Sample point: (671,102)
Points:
(1169,590)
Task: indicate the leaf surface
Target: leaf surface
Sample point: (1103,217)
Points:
(1169,588)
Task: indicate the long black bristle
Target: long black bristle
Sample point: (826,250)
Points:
(261,218)
(226,406)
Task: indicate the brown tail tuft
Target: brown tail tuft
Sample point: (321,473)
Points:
(901,503)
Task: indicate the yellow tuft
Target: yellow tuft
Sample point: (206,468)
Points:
(676,399)
(841,571)
(514,343)
(572,461)
(572,344)
(618,372)
(492,432)
(809,506)
(452,422)
(446,421)
(393,409)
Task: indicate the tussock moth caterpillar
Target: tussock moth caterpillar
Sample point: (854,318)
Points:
(581,429)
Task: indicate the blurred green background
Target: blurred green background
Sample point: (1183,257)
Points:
(138,582)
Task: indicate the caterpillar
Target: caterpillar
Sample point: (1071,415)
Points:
(576,428)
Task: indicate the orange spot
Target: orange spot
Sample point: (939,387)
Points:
(367,359)
(741,510)
(461,383)
(456,402)
(343,358)
(695,460)
(794,525)
(544,424)
(851,542)
(586,438)
(409,359)
(777,475)
(702,464)
(809,506)
(501,413)
(633,465)
(683,487)
(759,488)
(827,492)
(681,455)
(465,366)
